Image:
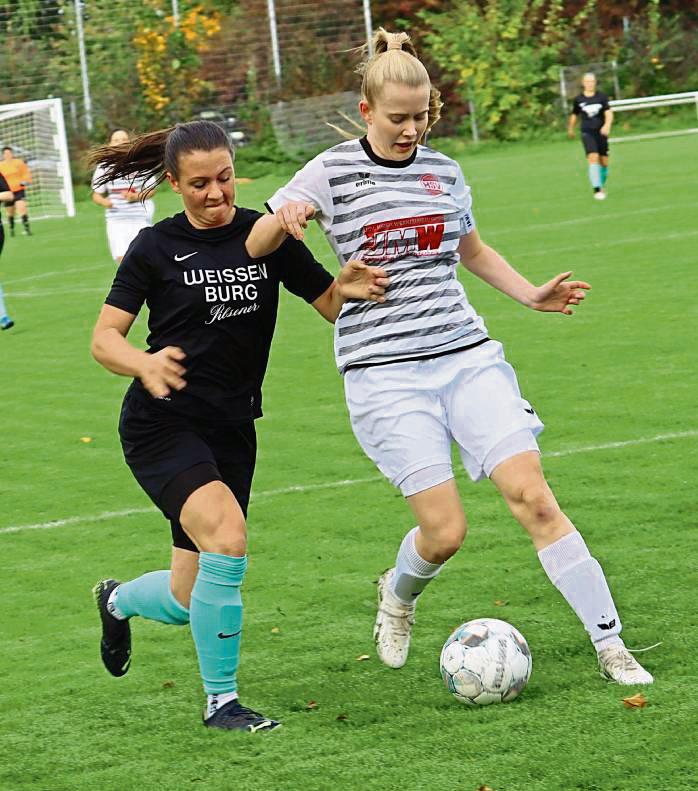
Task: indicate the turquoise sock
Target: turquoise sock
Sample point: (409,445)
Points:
(216,620)
(604,174)
(595,176)
(150,597)
(3,311)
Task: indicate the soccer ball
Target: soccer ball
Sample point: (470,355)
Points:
(485,661)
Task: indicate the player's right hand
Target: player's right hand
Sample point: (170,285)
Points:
(161,372)
(293,217)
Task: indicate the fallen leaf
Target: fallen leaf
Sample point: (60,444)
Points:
(85,439)
(362,658)
(275,630)
(500,602)
(485,788)
(168,684)
(638,701)
(342,717)
(311,704)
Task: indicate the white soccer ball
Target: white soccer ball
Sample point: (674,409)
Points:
(485,661)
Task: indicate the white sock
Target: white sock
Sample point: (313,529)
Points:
(580,579)
(112,609)
(412,572)
(215,702)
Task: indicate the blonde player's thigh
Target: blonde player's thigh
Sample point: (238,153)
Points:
(400,426)
(487,415)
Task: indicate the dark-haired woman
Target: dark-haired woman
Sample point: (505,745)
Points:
(126,201)
(187,422)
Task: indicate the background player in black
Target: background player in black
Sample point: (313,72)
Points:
(187,422)
(5,195)
(597,117)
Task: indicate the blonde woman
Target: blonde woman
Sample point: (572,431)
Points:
(420,371)
(128,207)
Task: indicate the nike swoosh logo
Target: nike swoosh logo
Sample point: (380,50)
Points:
(223,636)
(184,257)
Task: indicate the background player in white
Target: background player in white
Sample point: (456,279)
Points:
(5,195)
(419,370)
(127,207)
(593,108)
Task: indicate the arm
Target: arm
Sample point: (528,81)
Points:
(101,200)
(158,372)
(269,232)
(554,296)
(571,123)
(356,281)
(607,121)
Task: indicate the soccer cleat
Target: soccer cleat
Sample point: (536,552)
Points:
(6,323)
(235,717)
(600,195)
(115,646)
(393,626)
(617,664)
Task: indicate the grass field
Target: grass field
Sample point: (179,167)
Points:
(616,386)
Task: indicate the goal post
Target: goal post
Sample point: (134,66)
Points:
(36,133)
(651,102)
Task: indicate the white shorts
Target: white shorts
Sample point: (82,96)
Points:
(405,415)
(122,232)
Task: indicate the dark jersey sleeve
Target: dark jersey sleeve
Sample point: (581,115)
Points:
(4,186)
(604,102)
(301,274)
(133,278)
(576,107)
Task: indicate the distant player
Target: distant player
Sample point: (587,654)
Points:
(18,176)
(597,117)
(5,196)
(127,212)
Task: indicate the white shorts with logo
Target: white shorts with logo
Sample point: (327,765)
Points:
(406,415)
(122,232)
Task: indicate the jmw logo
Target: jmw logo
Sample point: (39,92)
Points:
(406,236)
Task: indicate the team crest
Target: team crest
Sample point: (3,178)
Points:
(431,184)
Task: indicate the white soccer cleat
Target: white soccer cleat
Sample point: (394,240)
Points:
(600,195)
(618,664)
(393,626)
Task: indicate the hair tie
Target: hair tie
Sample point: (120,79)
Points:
(395,41)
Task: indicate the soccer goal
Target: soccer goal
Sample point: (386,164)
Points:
(651,102)
(36,133)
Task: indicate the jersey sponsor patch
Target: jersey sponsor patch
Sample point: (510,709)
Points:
(405,236)
(431,184)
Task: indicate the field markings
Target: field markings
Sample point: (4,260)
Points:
(313,487)
(56,273)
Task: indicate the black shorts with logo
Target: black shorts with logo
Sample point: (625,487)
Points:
(595,143)
(171,457)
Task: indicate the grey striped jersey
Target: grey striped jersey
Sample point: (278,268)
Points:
(407,217)
(116,190)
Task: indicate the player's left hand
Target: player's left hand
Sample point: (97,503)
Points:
(605,131)
(558,294)
(293,217)
(360,281)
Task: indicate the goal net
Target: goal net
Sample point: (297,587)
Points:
(36,133)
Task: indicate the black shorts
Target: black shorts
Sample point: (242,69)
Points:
(16,195)
(173,457)
(595,143)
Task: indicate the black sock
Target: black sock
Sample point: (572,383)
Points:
(25,221)
(12,223)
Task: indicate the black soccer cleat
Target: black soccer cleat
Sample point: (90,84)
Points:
(6,323)
(115,646)
(234,717)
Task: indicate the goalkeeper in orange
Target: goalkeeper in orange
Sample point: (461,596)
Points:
(18,176)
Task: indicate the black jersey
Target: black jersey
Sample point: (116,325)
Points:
(206,295)
(591,109)
(4,187)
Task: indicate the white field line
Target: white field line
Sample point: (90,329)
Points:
(544,250)
(57,273)
(313,487)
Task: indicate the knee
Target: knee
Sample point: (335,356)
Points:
(593,159)
(219,531)
(536,506)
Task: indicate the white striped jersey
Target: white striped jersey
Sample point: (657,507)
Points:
(116,190)
(408,217)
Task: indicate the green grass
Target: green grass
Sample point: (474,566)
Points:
(623,370)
